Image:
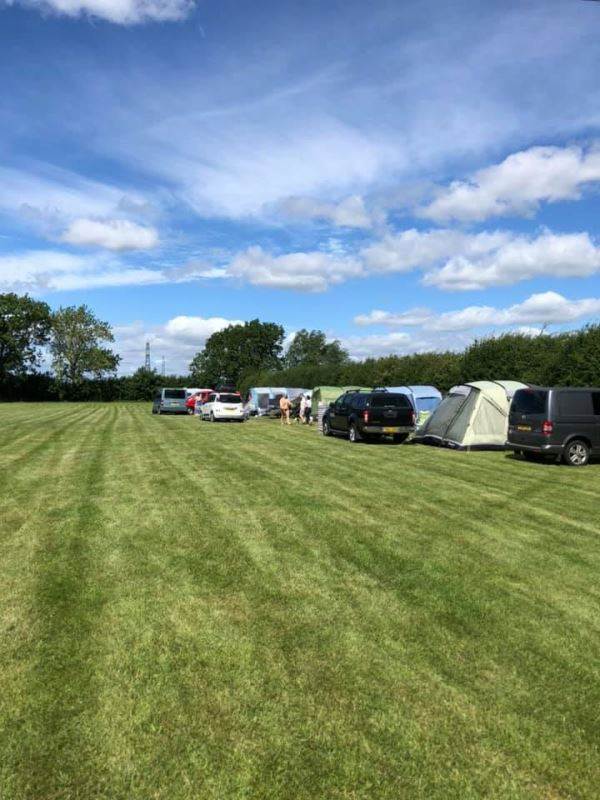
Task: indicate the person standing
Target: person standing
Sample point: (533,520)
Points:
(305,409)
(284,407)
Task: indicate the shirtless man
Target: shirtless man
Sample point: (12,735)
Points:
(284,407)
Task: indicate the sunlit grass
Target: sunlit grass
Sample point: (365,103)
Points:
(223,611)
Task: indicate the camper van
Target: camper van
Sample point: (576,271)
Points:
(169,401)
(563,423)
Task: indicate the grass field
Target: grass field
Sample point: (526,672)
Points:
(207,611)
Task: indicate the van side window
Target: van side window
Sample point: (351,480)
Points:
(596,402)
(575,404)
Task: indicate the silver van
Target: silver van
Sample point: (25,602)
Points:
(169,401)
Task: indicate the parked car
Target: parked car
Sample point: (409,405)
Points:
(370,415)
(224,406)
(559,422)
(169,401)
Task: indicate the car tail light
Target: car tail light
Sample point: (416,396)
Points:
(547,427)
(365,416)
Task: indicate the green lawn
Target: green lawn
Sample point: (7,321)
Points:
(207,611)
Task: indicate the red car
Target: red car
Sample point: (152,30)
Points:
(200,394)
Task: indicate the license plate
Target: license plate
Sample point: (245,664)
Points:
(230,408)
(390,430)
(523,427)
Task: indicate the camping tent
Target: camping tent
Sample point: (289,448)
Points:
(258,400)
(473,416)
(323,395)
(295,393)
(425,399)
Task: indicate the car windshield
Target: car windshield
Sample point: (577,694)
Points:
(229,398)
(529,401)
(174,394)
(388,399)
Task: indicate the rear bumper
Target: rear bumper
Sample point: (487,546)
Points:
(381,429)
(221,415)
(549,449)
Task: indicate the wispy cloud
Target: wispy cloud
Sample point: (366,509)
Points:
(121,12)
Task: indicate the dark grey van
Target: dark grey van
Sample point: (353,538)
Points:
(560,422)
(169,401)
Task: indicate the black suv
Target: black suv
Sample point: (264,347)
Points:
(370,415)
(560,422)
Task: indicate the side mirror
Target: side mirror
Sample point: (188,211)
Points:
(331,405)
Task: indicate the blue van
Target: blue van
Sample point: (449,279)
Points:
(169,401)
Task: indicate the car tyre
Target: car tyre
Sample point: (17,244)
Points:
(353,434)
(576,453)
(212,417)
(326,428)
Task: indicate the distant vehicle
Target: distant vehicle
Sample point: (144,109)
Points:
(370,415)
(559,422)
(195,400)
(169,401)
(223,406)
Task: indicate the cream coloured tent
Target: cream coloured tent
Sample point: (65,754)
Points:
(472,416)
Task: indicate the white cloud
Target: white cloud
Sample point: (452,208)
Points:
(412,317)
(348,213)
(178,340)
(413,249)
(111,234)
(122,12)
(398,343)
(309,272)
(518,184)
(545,308)
(197,328)
(517,259)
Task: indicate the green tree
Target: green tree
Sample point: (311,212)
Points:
(24,329)
(312,348)
(76,345)
(236,350)
(142,384)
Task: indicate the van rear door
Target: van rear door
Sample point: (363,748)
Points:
(528,411)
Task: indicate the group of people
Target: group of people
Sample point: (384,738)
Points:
(285,406)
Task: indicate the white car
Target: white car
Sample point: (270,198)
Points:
(223,406)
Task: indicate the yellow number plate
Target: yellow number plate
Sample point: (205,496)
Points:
(390,430)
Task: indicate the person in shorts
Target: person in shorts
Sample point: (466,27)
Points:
(284,407)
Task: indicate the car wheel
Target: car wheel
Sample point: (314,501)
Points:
(212,417)
(577,453)
(326,428)
(353,434)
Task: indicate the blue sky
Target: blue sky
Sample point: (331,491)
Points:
(403,175)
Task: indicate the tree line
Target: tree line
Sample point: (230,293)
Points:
(66,355)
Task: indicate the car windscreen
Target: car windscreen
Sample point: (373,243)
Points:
(388,399)
(229,398)
(529,401)
(174,394)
